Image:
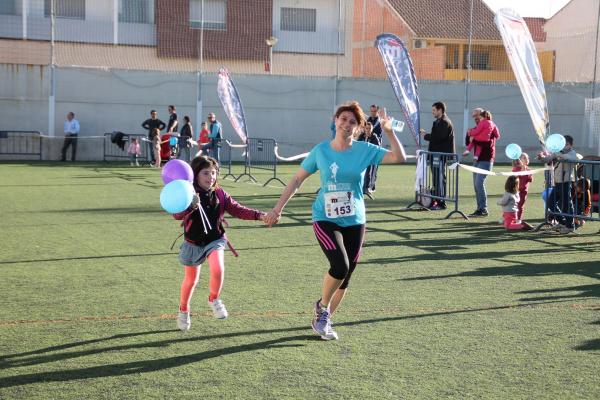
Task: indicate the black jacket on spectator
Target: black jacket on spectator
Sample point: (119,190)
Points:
(441,138)
(150,124)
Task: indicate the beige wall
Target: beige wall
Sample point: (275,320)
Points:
(24,52)
(144,58)
(571,33)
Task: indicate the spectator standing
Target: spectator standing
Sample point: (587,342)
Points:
(560,199)
(134,150)
(150,124)
(485,161)
(71,129)
(203,137)
(173,124)
(185,140)
(522,164)
(376,138)
(441,140)
(215,135)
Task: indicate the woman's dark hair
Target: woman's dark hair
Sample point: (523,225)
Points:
(512,184)
(186,118)
(202,162)
(355,109)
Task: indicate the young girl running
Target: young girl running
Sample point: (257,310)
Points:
(338,213)
(204,237)
(509,206)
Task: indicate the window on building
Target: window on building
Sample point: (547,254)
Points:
(298,19)
(10,7)
(74,9)
(480,60)
(215,14)
(136,11)
(452,56)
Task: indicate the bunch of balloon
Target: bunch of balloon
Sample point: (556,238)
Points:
(178,193)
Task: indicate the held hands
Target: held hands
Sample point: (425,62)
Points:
(272,217)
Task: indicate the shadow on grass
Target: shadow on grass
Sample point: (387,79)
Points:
(86,258)
(435,245)
(145,366)
(590,269)
(171,253)
(588,345)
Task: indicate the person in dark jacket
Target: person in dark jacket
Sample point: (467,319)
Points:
(152,123)
(185,140)
(441,140)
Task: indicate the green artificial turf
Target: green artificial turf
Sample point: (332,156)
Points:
(436,309)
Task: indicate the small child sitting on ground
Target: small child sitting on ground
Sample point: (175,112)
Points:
(509,206)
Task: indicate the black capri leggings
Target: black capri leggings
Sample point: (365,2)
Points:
(342,247)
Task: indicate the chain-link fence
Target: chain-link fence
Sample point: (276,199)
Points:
(112,61)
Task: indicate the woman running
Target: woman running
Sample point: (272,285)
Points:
(338,212)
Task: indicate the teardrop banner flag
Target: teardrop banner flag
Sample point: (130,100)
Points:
(401,74)
(526,67)
(232,105)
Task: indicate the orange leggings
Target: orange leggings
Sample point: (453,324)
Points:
(215,283)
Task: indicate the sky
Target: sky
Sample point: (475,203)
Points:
(529,8)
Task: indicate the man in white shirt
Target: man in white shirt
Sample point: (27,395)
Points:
(71,129)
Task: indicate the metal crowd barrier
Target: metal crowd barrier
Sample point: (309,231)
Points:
(436,182)
(21,143)
(113,152)
(578,191)
(260,154)
(226,159)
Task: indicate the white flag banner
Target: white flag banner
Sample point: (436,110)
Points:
(232,104)
(526,67)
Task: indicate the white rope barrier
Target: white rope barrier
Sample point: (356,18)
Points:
(293,158)
(500,173)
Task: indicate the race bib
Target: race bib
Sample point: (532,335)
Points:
(339,204)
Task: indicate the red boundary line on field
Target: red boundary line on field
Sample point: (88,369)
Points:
(277,314)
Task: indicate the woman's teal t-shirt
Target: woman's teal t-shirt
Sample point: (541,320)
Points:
(341,199)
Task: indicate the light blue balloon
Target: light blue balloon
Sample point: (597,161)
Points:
(173,141)
(555,143)
(176,196)
(513,151)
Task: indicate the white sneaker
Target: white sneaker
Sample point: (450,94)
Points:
(183,321)
(218,309)
(330,334)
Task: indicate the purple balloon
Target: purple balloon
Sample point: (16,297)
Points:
(177,169)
